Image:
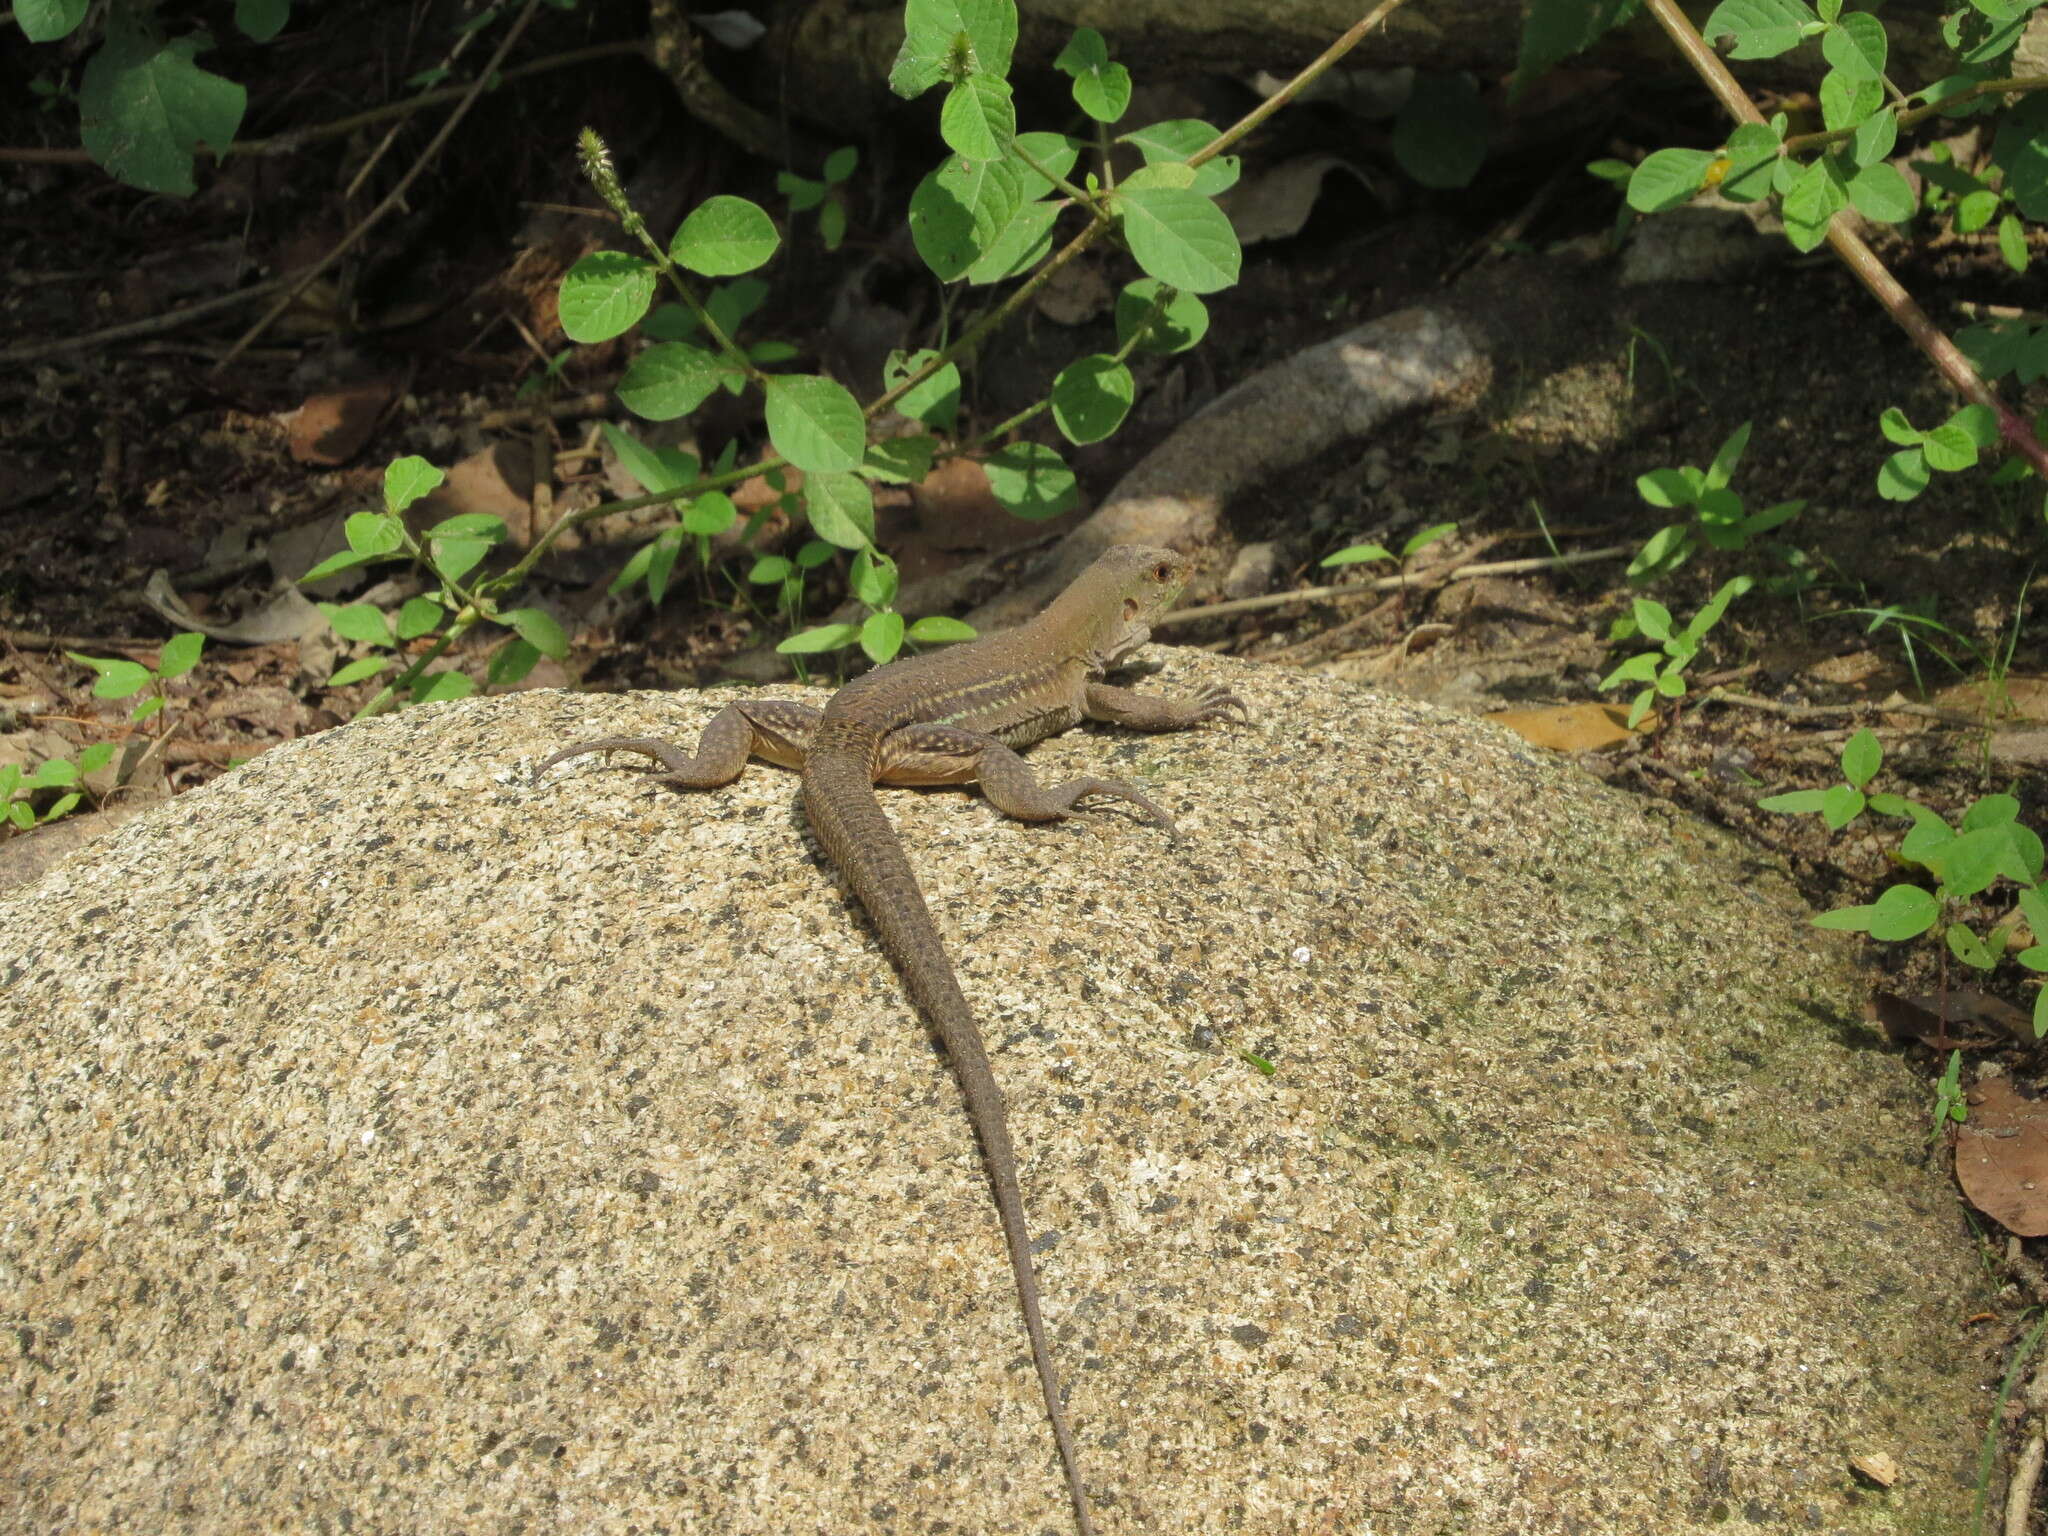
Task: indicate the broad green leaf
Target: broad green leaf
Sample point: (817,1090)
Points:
(1652,618)
(179,653)
(2022,863)
(710,515)
(770,569)
(1671,683)
(1640,668)
(101,753)
(1105,93)
(1964,944)
(1722,470)
(406,480)
(881,636)
(1762,29)
(826,637)
(1875,136)
(51,773)
(978,119)
(144,107)
(957,211)
(900,460)
(840,164)
(1990,811)
(724,236)
(840,508)
(1667,179)
(1980,422)
(657,469)
(1816,196)
(604,295)
(1031,481)
(935,402)
(418,616)
(346,560)
(538,629)
(1440,132)
(1178,138)
(1710,615)
(937,629)
(1904,912)
(1968,862)
(358,621)
(1664,552)
(1949,448)
(1090,398)
(45,21)
(1862,756)
(1752,152)
(1422,538)
(511,662)
(1017,247)
(945,39)
(1056,152)
(440,687)
(873,578)
(1897,429)
(1180,237)
(1879,192)
(469,525)
(456,558)
(1891,805)
(1669,487)
(1856,46)
(671,379)
(1974,210)
(360,668)
(815,424)
(1797,802)
(2021,150)
(1181,322)
(1840,806)
(117,678)
(1174,174)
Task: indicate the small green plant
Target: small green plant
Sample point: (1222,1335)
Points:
(1416,542)
(1719,518)
(119,678)
(827,196)
(18,790)
(1950,1107)
(1953,446)
(1662,671)
(1964,861)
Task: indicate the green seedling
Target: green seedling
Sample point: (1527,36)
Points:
(1662,671)
(828,196)
(1950,1107)
(119,678)
(18,790)
(1719,518)
(1416,542)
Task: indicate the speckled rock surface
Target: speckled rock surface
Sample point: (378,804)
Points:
(390,1144)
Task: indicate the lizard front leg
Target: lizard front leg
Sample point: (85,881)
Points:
(774,729)
(1151,712)
(946,754)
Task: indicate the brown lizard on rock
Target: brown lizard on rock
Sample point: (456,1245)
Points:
(953,717)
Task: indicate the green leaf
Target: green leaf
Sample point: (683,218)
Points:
(144,107)
(1090,398)
(118,678)
(1667,179)
(1031,481)
(1752,152)
(469,525)
(840,164)
(1897,429)
(815,424)
(147,707)
(45,21)
(1875,137)
(770,569)
(406,480)
(51,773)
(1358,554)
(1862,756)
(1978,422)
(101,753)
(419,616)
(1968,948)
(1904,912)
(439,687)
(881,636)
(1762,29)
(1974,210)
(935,402)
(840,508)
(826,637)
(1423,537)
(1968,862)
(1722,470)
(1180,237)
(1928,835)
(1948,447)
(900,460)
(1554,30)
(1182,321)
(1653,619)
(937,629)
(943,39)
(511,662)
(1671,683)
(671,379)
(2035,959)
(1019,246)
(2041,1013)
(346,560)
(538,629)
(1670,487)
(710,515)
(656,469)
(1664,552)
(1178,139)
(261,20)
(604,295)
(1640,707)
(358,621)
(724,236)
(1816,195)
(456,558)
(1103,92)
(1990,811)
(1717,605)
(179,653)
(1879,192)
(1796,802)
(979,119)
(873,578)
(1440,132)
(1902,476)
(957,212)
(2021,150)
(1640,668)
(1856,46)
(360,668)
(1840,806)
(1891,805)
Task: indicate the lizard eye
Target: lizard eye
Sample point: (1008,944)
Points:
(1162,572)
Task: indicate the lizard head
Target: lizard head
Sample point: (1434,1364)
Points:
(1120,595)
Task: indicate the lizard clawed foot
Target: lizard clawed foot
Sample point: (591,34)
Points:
(1066,793)
(1217,702)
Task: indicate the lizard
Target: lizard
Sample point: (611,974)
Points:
(956,716)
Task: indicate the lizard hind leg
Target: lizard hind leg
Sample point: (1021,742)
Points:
(946,754)
(775,730)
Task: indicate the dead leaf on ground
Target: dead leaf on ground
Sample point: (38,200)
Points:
(1963,1017)
(331,428)
(2002,1157)
(1276,204)
(1568,727)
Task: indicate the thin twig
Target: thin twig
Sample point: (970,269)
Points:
(1352,589)
(1853,707)
(396,195)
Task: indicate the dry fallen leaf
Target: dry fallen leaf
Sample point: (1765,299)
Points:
(1876,1466)
(1567,727)
(1963,1017)
(2002,1157)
